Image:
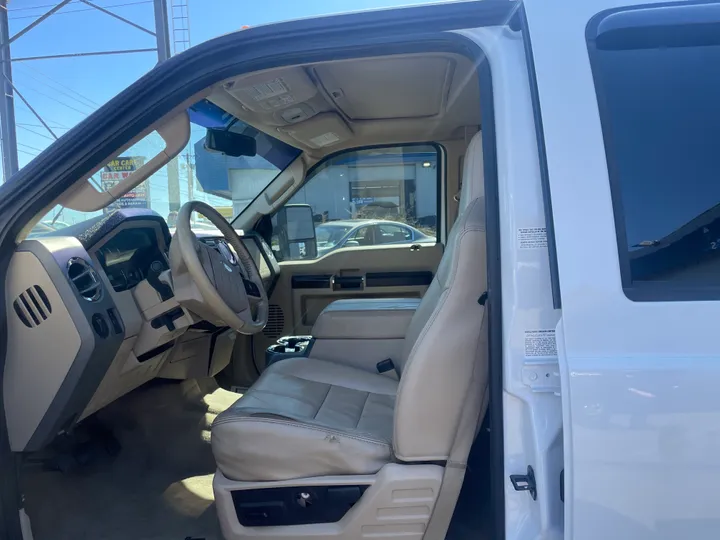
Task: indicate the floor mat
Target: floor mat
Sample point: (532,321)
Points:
(159,485)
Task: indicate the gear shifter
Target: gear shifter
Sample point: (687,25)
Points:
(153,277)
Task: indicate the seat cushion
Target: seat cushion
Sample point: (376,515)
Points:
(307,417)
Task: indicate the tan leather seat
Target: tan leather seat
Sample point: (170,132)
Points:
(308,417)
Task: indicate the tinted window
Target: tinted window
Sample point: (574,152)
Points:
(363,236)
(390,234)
(659,96)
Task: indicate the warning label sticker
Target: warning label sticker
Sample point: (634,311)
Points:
(540,343)
(532,237)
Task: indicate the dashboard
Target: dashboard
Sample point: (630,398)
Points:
(131,256)
(95,300)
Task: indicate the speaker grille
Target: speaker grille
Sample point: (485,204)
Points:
(276,322)
(32,306)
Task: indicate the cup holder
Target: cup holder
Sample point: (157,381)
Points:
(294,341)
(288,347)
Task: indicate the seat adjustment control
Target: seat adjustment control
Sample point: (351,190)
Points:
(385,365)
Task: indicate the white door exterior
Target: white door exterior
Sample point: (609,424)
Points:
(638,349)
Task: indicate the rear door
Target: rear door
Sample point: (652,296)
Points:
(376,213)
(628,97)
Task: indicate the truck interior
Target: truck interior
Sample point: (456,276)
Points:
(207,379)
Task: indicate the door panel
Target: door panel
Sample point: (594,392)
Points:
(304,288)
(637,347)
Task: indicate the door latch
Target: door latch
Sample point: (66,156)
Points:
(525,482)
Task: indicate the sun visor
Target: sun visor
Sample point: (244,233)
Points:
(268,92)
(322,131)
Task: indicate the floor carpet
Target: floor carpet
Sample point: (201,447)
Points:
(158,486)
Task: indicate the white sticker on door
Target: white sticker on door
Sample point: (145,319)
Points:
(540,344)
(532,237)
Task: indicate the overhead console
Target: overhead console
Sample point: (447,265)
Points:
(327,106)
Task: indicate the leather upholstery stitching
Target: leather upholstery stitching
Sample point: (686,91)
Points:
(362,411)
(303,425)
(445,293)
(330,387)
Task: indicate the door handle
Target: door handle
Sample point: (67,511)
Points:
(339,283)
(415,247)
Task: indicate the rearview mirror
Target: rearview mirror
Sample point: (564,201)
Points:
(230,143)
(295,229)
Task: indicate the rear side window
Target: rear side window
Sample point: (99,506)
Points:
(657,76)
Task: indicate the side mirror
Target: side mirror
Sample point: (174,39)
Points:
(351,243)
(230,143)
(295,229)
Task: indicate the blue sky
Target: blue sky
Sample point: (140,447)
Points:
(64,91)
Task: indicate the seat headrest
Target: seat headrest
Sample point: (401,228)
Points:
(473,179)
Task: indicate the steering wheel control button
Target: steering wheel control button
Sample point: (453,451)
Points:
(251,289)
(114,317)
(100,326)
(224,250)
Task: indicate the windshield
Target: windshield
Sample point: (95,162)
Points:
(228,184)
(330,235)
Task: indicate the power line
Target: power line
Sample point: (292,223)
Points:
(30,147)
(85,98)
(43,135)
(25,124)
(57,125)
(53,98)
(36,7)
(81,9)
(60,91)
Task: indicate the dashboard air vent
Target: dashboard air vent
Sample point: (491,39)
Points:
(276,322)
(32,306)
(85,278)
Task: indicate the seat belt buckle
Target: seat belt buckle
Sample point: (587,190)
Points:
(384,365)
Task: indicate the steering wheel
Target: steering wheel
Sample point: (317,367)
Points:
(213,283)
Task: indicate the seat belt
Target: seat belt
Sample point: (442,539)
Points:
(470,419)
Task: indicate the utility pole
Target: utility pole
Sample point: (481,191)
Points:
(164,52)
(9,91)
(161,30)
(180,17)
(7,107)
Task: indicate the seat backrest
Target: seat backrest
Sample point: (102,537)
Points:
(446,339)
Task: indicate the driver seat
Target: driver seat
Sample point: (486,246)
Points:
(309,422)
